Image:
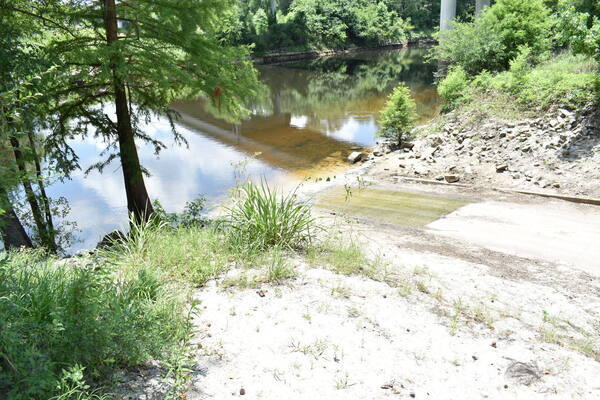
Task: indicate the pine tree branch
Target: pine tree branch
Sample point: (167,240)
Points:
(4,6)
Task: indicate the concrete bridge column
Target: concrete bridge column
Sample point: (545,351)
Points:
(447,14)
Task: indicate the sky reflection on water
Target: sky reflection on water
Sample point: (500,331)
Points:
(316,113)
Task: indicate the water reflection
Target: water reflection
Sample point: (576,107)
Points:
(316,113)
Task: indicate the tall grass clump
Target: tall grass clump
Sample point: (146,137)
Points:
(66,325)
(261,218)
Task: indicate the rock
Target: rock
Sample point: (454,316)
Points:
(111,239)
(501,168)
(439,178)
(429,152)
(522,373)
(420,170)
(451,178)
(407,145)
(242,391)
(556,185)
(355,157)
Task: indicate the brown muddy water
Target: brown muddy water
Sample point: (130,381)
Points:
(315,114)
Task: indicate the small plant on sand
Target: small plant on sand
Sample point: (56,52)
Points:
(278,267)
(261,218)
(345,257)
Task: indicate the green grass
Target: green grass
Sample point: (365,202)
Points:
(343,256)
(261,219)
(188,254)
(65,325)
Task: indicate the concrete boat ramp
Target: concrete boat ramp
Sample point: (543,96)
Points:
(548,230)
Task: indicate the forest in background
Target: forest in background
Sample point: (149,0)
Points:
(286,25)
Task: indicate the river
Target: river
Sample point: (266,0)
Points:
(315,114)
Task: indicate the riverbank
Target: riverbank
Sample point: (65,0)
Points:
(380,308)
(555,153)
(282,57)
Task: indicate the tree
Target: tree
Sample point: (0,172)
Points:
(496,37)
(399,114)
(134,57)
(19,62)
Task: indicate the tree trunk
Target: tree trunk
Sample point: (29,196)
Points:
(11,230)
(43,196)
(447,14)
(138,201)
(42,229)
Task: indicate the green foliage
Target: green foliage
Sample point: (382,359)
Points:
(454,87)
(473,46)
(521,23)
(192,214)
(578,29)
(493,39)
(375,23)
(65,323)
(319,24)
(261,218)
(399,114)
(260,21)
(567,79)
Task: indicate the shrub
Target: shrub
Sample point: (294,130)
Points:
(566,79)
(399,114)
(377,25)
(521,23)
(474,46)
(61,319)
(261,218)
(454,88)
(495,38)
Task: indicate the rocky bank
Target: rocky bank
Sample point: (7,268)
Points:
(557,152)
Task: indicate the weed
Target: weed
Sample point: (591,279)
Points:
(261,218)
(405,289)
(189,254)
(345,257)
(342,382)
(315,349)
(278,267)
